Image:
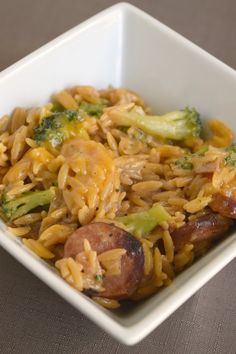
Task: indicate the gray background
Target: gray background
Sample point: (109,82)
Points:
(35,320)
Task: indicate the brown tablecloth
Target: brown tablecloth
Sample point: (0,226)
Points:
(35,320)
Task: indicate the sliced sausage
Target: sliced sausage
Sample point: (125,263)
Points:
(224,205)
(204,228)
(104,237)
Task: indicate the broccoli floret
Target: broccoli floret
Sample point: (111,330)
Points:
(98,277)
(178,125)
(230,158)
(201,151)
(17,207)
(92,109)
(58,127)
(139,135)
(186,162)
(140,224)
(231,148)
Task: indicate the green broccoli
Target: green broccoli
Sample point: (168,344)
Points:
(231,148)
(178,125)
(140,224)
(186,162)
(139,135)
(58,127)
(98,277)
(92,109)
(230,158)
(14,208)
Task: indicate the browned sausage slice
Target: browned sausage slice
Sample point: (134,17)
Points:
(204,228)
(224,205)
(104,237)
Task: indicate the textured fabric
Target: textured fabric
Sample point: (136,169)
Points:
(33,319)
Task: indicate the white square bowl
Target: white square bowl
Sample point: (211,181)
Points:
(123,46)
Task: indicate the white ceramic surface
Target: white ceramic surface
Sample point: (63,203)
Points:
(123,46)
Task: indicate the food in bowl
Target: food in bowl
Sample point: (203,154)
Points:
(120,200)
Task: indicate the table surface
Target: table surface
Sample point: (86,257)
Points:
(33,319)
